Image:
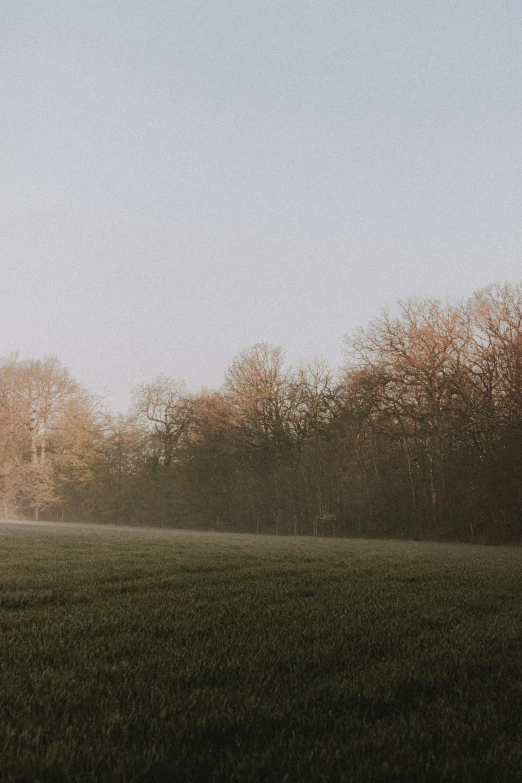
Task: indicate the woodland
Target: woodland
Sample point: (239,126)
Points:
(418,435)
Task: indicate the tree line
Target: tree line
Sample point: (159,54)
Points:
(419,435)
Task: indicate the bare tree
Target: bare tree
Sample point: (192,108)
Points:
(416,373)
(35,395)
(165,407)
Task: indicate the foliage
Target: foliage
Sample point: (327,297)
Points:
(417,437)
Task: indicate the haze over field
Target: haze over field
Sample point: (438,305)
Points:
(182,180)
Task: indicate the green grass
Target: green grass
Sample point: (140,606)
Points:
(145,655)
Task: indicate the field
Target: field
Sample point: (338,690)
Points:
(147,655)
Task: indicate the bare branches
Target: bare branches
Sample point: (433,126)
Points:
(165,407)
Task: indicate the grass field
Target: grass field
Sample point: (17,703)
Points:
(146,655)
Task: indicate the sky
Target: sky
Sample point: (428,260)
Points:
(180,180)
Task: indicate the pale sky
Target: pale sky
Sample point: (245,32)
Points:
(182,179)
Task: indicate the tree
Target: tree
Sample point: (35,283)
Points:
(34,396)
(414,370)
(165,409)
